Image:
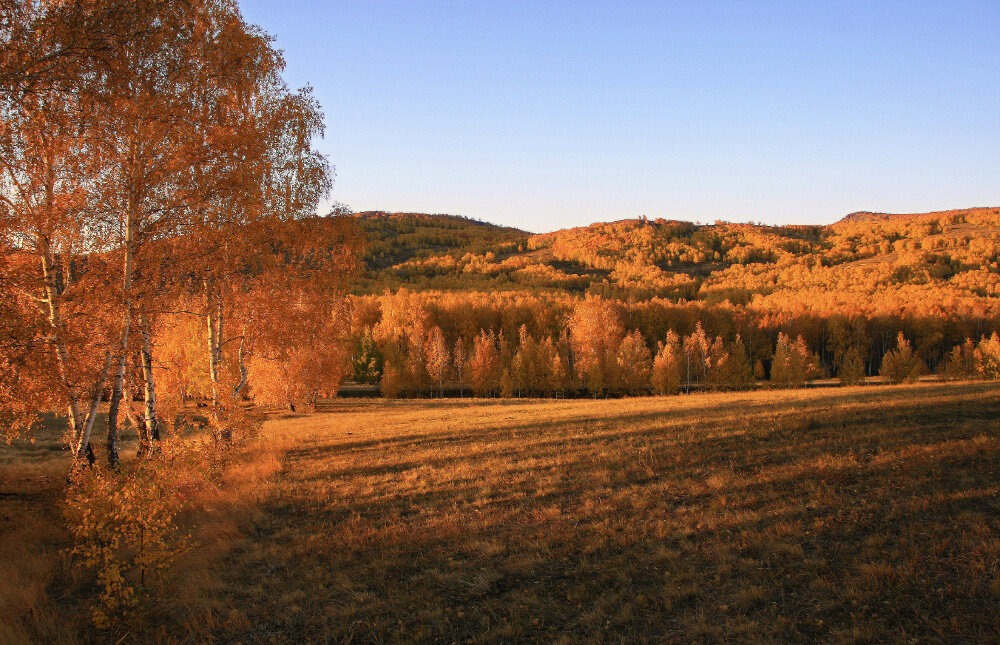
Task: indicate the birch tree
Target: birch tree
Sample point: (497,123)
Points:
(142,145)
(48,174)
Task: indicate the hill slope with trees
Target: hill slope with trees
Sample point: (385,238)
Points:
(641,258)
(638,306)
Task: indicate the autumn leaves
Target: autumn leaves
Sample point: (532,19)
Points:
(430,345)
(516,344)
(152,170)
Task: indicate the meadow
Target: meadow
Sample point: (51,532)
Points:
(852,514)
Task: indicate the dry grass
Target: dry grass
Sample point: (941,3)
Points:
(32,484)
(836,515)
(842,515)
(44,599)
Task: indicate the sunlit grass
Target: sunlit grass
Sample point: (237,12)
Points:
(843,515)
(837,515)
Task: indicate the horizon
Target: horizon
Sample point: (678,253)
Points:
(544,117)
(378,211)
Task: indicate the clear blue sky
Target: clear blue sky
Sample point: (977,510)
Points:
(545,115)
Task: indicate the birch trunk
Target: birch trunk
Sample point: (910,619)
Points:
(130,416)
(113,409)
(83,446)
(81,424)
(151,422)
(215,319)
(57,337)
(122,356)
(241,358)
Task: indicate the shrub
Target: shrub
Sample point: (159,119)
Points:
(122,523)
(392,382)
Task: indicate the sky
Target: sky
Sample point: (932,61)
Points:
(546,115)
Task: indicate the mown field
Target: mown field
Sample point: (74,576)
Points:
(834,515)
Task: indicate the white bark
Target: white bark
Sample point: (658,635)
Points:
(151,422)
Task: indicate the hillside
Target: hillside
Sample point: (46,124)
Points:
(394,238)
(640,258)
(870,216)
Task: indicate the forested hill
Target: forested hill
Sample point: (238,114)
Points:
(394,238)
(636,259)
(870,216)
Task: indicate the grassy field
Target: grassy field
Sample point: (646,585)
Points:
(838,515)
(845,515)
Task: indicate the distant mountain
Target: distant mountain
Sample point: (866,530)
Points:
(642,258)
(869,216)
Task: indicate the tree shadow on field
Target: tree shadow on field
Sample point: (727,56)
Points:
(779,436)
(790,522)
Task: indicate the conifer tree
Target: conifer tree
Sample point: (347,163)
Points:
(634,363)
(735,371)
(438,358)
(484,364)
(901,364)
(667,373)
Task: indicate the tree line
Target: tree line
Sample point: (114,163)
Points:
(518,344)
